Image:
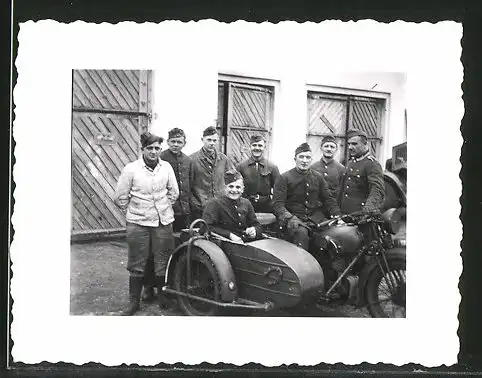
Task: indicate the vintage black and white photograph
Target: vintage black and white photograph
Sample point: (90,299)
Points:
(238,192)
(216,224)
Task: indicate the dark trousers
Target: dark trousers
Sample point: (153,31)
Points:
(262,206)
(146,241)
(299,236)
(196,214)
(180,222)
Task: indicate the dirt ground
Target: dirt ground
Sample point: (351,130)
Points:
(99,286)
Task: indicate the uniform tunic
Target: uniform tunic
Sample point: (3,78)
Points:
(332,172)
(225,216)
(304,194)
(182,166)
(362,185)
(259,178)
(207,177)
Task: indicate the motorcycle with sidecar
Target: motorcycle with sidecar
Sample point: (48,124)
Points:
(354,256)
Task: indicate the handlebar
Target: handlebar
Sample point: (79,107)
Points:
(202,230)
(357,217)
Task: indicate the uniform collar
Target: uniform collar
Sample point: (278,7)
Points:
(361,157)
(173,154)
(299,171)
(231,201)
(209,155)
(252,161)
(322,161)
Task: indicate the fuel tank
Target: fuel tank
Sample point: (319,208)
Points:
(347,237)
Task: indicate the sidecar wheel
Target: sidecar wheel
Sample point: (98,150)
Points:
(386,300)
(205,283)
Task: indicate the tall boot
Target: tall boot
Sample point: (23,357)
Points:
(162,299)
(149,281)
(135,288)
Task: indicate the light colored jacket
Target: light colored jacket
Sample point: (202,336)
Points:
(147,195)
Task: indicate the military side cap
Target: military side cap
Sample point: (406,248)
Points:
(148,138)
(256,138)
(355,132)
(176,133)
(209,131)
(328,138)
(303,147)
(231,176)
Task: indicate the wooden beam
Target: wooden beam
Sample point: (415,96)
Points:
(134,113)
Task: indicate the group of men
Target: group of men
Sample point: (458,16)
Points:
(299,198)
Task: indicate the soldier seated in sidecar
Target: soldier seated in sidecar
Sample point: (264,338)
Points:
(231,215)
(229,263)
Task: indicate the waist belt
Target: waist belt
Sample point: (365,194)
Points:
(259,197)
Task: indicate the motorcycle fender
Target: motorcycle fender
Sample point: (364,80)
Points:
(221,263)
(365,273)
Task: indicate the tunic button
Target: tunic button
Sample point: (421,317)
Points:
(347,186)
(351,169)
(346,195)
(349,178)
(326,167)
(358,176)
(239,214)
(326,174)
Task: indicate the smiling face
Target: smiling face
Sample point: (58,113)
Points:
(210,142)
(303,160)
(356,146)
(151,152)
(234,189)
(257,149)
(328,150)
(176,144)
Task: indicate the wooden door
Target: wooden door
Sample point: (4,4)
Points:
(243,110)
(110,108)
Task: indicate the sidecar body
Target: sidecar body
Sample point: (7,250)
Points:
(209,272)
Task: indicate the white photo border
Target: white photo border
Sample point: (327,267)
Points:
(43,330)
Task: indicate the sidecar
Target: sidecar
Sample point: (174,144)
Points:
(208,273)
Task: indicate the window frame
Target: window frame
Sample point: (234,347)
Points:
(342,93)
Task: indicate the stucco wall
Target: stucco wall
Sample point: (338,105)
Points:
(185,96)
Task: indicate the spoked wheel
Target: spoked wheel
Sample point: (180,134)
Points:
(205,283)
(386,292)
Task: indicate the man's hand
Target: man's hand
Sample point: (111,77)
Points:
(294,223)
(251,232)
(235,238)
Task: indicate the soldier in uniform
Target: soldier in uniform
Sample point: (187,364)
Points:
(259,176)
(301,198)
(208,168)
(231,215)
(362,185)
(182,166)
(331,169)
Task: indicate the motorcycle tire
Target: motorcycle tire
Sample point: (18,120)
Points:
(203,272)
(382,299)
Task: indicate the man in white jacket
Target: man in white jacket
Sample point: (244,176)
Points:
(146,190)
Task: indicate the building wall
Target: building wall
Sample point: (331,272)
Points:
(189,100)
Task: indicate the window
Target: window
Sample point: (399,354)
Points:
(334,114)
(243,110)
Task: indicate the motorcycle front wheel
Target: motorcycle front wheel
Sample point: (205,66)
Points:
(386,291)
